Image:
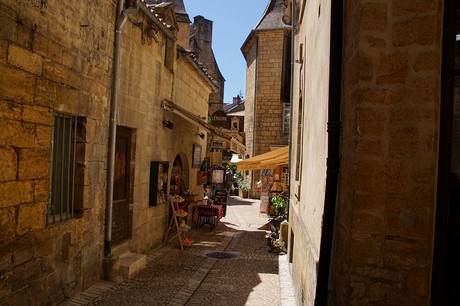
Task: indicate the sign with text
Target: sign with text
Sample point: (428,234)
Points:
(220,119)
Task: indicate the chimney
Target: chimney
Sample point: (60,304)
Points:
(202,29)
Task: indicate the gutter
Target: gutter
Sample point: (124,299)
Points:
(333,158)
(291,108)
(121,17)
(193,61)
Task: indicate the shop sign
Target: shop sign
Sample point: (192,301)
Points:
(220,119)
(216,145)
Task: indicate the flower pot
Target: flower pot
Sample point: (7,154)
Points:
(242,193)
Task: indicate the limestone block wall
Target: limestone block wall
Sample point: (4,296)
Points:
(249,104)
(384,233)
(268,109)
(54,57)
(145,82)
(310,106)
(201,46)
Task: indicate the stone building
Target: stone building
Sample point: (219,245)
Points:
(55,89)
(93,115)
(374,151)
(267,51)
(201,46)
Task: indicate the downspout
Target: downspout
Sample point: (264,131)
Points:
(255,102)
(255,112)
(333,158)
(121,17)
(291,98)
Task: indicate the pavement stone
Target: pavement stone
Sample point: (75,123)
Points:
(255,277)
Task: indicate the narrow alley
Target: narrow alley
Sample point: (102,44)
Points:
(254,276)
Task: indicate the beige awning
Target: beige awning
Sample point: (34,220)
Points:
(267,160)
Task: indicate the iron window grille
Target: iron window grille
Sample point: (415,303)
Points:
(66,177)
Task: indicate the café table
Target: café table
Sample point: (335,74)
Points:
(207,214)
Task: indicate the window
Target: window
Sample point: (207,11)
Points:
(286,118)
(68,147)
(286,72)
(170,54)
(299,142)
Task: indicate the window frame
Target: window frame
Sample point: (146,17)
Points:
(65,174)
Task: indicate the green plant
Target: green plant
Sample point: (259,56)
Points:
(280,203)
(243,184)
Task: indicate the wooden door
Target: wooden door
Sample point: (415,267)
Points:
(121,217)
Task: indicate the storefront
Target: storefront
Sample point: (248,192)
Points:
(273,167)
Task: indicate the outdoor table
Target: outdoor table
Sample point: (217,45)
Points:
(207,214)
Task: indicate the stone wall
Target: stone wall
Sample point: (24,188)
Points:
(55,57)
(263,127)
(310,107)
(269,109)
(201,46)
(249,104)
(384,235)
(145,82)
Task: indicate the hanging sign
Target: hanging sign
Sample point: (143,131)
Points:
(220,119)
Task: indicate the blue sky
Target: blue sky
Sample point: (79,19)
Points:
(232,23)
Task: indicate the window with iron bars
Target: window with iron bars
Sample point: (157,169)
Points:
(67,175)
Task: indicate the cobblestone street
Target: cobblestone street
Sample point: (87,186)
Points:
(189,277)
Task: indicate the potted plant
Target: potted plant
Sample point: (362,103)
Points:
(280,203)
(243,187)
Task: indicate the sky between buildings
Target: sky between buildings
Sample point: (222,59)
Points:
(232,22)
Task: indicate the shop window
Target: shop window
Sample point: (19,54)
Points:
(67,172)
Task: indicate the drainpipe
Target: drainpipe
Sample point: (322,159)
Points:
(333,158)
(291,98)
(121,17)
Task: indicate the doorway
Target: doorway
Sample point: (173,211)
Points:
(121,215)
(179,176)
(446,266)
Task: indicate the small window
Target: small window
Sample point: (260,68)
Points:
(286,118)
(67,177)
(170,54)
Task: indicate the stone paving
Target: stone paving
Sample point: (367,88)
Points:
(189,277)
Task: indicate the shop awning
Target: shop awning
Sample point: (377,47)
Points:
(200,122)
(267,160)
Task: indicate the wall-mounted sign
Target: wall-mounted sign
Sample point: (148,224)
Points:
(196,156)
(220,119)
(216,145)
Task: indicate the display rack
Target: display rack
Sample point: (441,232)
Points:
(176,217)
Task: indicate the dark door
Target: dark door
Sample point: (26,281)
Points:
(446,265)
(121,217)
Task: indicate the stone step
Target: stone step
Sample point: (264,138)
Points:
(131,263)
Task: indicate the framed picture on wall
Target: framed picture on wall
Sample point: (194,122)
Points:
(196,156)
(217,176)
